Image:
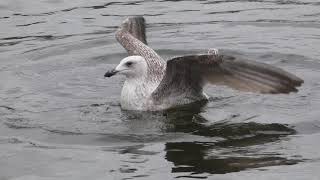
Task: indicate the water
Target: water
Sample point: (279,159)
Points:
(60,119)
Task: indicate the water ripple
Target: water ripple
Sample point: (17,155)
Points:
(57,108)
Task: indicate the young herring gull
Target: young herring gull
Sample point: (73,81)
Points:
(153,84)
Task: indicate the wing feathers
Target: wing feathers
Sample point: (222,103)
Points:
(192,72)
(136,27)
(131,35)
(262,77)
(265,69)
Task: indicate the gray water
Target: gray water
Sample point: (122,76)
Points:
(60,119)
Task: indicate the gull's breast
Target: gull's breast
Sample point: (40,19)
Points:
(135,95)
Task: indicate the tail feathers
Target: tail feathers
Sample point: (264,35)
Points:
(260,77)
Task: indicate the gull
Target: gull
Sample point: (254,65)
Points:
(153,84)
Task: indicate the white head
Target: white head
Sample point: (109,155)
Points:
(131,67)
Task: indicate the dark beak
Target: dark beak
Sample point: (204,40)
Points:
(110,73)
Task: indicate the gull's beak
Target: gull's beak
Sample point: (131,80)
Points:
(110,73)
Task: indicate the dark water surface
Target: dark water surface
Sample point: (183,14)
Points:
(60,119)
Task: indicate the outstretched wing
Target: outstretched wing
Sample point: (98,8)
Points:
(136,26)
(188,75)
(131,35)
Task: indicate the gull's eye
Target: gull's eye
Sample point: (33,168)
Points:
(128,64)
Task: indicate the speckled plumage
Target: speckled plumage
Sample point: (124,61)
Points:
(153,84)
(128,36)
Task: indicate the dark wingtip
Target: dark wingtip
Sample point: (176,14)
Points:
(136,26)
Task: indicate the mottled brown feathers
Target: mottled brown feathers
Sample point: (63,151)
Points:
(188,74)
(133,45)
(181,79)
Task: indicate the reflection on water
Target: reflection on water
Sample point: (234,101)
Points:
(198,158)
(221,147)
(59,118)
(231,148)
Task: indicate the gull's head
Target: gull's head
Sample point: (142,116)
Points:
(131,67)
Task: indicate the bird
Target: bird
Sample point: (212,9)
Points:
(153,84)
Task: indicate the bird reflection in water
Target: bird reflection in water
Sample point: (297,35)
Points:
(235,146)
